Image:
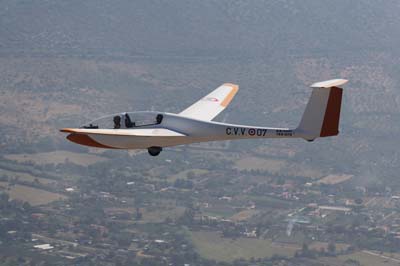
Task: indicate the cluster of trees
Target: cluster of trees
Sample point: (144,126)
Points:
(313,253)
(183,183)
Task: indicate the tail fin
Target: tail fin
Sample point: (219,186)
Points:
(322,114)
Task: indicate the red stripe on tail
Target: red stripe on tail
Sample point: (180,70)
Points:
(330,126)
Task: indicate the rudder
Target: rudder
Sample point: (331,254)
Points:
(330,126)
(322,114)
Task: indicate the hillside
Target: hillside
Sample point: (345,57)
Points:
(63,63)
(213,27)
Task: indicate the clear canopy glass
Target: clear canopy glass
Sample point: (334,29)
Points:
(126,120)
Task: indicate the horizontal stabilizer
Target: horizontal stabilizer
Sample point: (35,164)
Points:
(329,83)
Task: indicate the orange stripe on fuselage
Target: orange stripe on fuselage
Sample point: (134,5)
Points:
(84,139)
(231,94)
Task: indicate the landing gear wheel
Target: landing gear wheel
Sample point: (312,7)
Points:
(154,151)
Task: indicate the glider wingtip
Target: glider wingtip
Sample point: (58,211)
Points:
(67,130)
(232,85)
(232,93)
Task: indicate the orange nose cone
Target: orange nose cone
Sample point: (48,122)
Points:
(83,139)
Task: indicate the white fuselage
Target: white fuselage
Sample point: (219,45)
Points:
(192,131)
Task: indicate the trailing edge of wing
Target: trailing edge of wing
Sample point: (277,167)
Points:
(212,104)
(145,132)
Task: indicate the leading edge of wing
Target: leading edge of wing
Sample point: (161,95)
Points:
(144,132)
(212,104)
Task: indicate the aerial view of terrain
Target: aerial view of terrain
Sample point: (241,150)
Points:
(283,202)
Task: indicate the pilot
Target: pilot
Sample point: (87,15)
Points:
(128,122)
(159,118)
(117,122)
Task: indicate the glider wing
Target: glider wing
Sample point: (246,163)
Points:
(144,132)
(212,104)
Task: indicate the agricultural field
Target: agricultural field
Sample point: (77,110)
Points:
(188,174)
(243,215)
(319,245)
(365,258)
(278,166)
(57,157)
(20,176)
(254,163)
(160,215)
(334,179)
(31,195)
(211,245)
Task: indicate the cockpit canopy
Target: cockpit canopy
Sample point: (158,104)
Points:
(126,120)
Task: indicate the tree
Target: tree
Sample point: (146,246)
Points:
(187,217)
(322,251)
(4,198)
(27,207)
(138,214)
(304,248)
(351,262)
(358,201)
(123,239)
(332,248)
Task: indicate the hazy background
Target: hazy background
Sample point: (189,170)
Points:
(63,63)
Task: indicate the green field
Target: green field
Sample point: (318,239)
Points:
(363,258)
(25,177)
(372,259)
(211,245)
(159,215)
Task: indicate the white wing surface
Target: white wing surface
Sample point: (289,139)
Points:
(146,132)
(211,105)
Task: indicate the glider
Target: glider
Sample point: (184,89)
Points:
(155,130)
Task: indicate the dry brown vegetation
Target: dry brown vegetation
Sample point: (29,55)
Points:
(32,195)
(334,179)
(56,157)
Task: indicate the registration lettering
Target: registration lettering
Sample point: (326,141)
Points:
(284,133)
(240,131)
